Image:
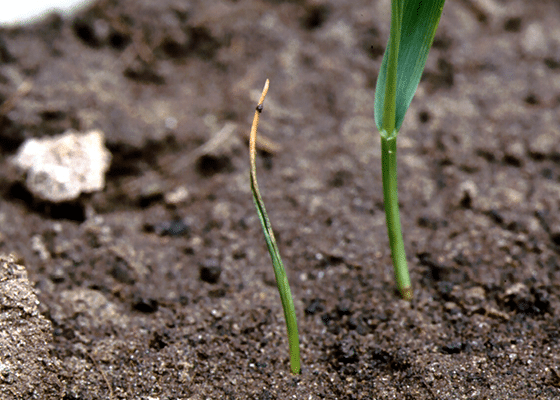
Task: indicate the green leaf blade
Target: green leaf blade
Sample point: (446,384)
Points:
(420,19)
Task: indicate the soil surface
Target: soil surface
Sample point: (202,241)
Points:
(160,286)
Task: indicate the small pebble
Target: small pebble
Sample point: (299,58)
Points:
(172,228)
(146,305)
(453,348)
(60,168)
(177,196)
(210,271)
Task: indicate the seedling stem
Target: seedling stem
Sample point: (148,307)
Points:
(391,199)
(279,271)
(413,27)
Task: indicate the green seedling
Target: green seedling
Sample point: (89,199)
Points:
(279,271)
(413,27)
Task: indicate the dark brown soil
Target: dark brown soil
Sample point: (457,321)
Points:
(154,295)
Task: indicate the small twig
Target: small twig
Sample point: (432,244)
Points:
(220,137)
(20,92)
(429,390)
(111,394)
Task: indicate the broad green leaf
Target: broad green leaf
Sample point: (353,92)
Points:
(420,19)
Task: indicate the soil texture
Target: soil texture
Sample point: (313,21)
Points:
(160,286)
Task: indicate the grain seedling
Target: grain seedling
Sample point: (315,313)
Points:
(279,271)
(413,27)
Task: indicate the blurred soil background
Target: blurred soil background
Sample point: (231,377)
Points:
(160,286)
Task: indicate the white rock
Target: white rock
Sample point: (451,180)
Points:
(24,11)
(534,40)
(60,168)
(176,196)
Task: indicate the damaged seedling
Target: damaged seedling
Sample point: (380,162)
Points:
(279,271)
(413,27)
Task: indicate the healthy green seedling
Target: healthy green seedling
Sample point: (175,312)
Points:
(279,272)
(413,27)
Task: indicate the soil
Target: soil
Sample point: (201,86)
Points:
(160,286)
